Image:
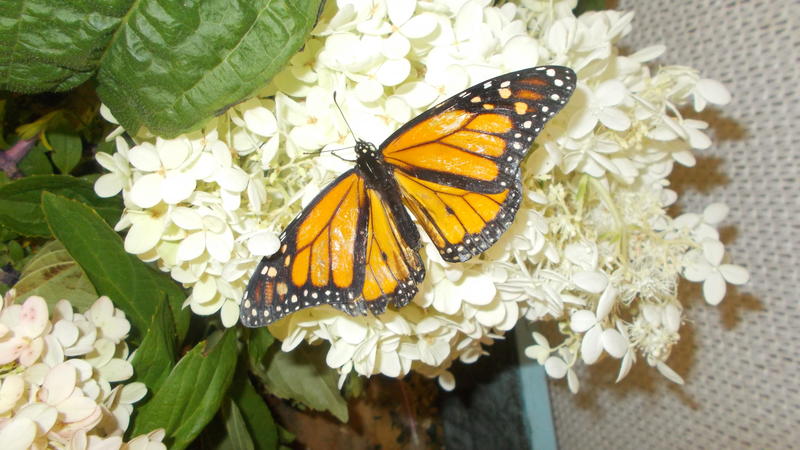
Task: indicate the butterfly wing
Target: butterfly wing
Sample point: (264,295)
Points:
(344,249)
(457,165)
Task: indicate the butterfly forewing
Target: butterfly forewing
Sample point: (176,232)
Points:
(458,163)
(344,250)
(320,260)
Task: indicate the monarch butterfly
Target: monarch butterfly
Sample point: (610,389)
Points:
(455,167)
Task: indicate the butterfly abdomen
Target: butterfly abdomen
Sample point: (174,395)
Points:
(379,177)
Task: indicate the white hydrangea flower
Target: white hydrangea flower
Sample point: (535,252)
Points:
(62,397)
(592,246)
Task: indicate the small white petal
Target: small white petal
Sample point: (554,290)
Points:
(339,354)
(265,243)
(400,11)
(369,90)
(592,345)
(192,246)
(606,302)
(417,94)
(186,218)
(541,339)
(669,373)
(177,187)
(555,367)
(593,281)
(396,46)
(144,157)
(229,314)
(582,320)
(260,121)
(173,152)
(672,318)
(625,366)
(219,246)
(610,93)
(393,72)
(18,433)
(684,158)
(477,290)
(146,191)
(649,53)
(108,185)
(714,288)
(419,26)
(615,119)
(143,236)
(714,251)
(572,381)
(351,331)
(389,364)
(715,213)
(447,381)
(468,21)
(614,343)
(232,179)
(714,91)
(734,274)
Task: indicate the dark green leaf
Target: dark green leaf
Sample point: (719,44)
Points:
(196,61)
(67,150)
(53,274)
(258,342)
(35,162)
(131,284)
(589,5)
(191,395)
(235,426)
(302,375)
(15,252)
(54,46)
(167,65)
(155,357)
(256,414)
(20,200)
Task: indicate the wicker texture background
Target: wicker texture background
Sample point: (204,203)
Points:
(741,360)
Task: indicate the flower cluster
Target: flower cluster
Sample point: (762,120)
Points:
(592,246)
(56,377)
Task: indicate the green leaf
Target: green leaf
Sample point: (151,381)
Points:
(20,208)
(236,427)
(254,411)
(54,46)
(589,5)
(35,162)
(53,274)
(191,395)
(168,65)
(302,375)
(259,341)
(155,357)
(132,285)
(194,62)
(67,150)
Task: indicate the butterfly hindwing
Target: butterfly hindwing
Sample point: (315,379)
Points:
(457,164)
(393,268)
(345,249)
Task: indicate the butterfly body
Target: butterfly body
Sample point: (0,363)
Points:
(456,167)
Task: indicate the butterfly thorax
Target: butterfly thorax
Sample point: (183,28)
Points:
(378,176)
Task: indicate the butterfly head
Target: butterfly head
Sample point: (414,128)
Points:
(364,148)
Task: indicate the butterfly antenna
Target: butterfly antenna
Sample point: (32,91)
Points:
(343,117)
